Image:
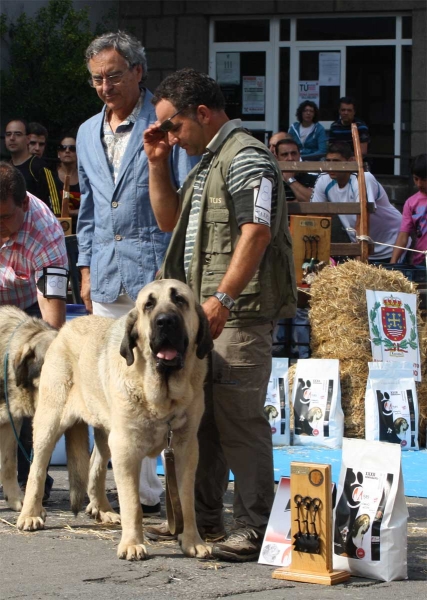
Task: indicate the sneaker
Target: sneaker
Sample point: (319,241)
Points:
(151,511)
(159,533)
(243,544)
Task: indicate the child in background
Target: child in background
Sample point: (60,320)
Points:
(414,221)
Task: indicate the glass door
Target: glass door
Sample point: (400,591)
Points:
(320,77)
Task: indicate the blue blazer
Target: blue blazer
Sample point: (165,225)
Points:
(117,232)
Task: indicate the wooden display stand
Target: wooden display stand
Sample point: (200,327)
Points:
(313,481)
(310,235)
(65,218)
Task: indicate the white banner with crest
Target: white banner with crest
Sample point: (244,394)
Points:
(393,328)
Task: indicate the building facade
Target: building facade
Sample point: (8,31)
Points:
(268,56)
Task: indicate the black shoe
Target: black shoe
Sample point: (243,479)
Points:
(242,545)
(151,511)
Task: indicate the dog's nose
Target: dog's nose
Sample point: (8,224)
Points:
(166,321)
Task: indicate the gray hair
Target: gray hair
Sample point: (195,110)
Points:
(125,44)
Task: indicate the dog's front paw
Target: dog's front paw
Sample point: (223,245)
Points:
(28,523)
(106,516)
(132,551)
(194,547)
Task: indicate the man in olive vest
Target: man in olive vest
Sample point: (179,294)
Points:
(232,246)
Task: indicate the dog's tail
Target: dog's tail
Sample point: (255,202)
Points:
(77,445)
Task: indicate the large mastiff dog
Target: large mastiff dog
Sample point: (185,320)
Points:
(133,380)
(25,341)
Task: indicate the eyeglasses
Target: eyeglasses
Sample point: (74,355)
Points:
(167,125)
(70,147)
(97,80)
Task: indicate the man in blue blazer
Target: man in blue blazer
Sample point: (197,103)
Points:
(120,245)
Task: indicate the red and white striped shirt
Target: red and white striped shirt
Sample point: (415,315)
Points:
(39,243)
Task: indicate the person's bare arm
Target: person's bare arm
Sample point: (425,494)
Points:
(165,202)
(244,263)
(401,240)
(53,310)
(364,148)
(85,288)
(302,193)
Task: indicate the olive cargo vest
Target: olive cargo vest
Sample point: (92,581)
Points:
(271,293)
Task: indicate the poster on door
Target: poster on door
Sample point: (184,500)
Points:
(308,90)
(329,68)
(228,68)
(253,92)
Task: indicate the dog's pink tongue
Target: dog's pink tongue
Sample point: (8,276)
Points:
(167,354)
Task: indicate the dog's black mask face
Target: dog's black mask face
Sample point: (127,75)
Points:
(168,341)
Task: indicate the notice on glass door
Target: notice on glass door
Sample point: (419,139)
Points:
(308,90)
(253,95)
(329,68)
(228,68)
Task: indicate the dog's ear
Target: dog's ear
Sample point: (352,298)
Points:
(23,366)
(204,339)
(130,337)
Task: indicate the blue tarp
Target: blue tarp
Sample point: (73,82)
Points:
(414,465)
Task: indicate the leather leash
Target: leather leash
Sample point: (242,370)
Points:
(173,503)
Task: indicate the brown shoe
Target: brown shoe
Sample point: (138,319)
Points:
(241,545)
(161,533)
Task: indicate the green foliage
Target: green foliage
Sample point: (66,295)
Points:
(47,80)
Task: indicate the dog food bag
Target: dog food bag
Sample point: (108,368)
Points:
(370,515)
(391,405)
(316,397)
(276,407)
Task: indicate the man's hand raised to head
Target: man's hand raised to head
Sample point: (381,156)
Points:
(156,144)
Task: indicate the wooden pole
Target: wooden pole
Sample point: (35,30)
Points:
(363,228)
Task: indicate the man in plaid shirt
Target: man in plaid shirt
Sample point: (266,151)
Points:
(33,269)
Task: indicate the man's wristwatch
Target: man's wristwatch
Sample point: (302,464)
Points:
(225,299)
(291,180)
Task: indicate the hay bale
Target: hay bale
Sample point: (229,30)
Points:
(340,329)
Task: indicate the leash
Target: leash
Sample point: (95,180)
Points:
(6,395)
(173,503)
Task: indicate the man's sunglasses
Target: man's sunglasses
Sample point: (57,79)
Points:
(70,147)
(167,125)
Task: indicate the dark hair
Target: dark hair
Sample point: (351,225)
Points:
(188,87)
(341,148)
(419,166)
(125,44)
(12,183)
(23,121)
(347,100)
(37,129)
(287,141)
(68,134)
(303,105)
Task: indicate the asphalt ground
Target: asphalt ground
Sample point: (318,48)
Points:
(75,558)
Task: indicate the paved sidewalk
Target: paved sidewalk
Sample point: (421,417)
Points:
(74,558)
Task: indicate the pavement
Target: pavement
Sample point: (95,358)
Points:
(75,558)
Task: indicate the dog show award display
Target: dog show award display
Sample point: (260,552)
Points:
(393,328)
(311,527)
(276,406)
(370,517)
(391,405)
(316,398)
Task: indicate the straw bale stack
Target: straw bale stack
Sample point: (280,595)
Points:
(340,329)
